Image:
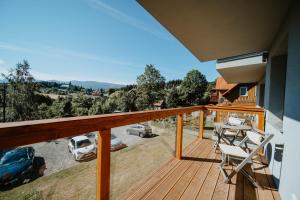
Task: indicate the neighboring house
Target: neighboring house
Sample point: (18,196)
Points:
(221,87)
(233,94)
(256,41)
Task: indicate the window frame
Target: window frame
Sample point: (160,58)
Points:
(243,87)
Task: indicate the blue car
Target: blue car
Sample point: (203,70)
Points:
(16,165)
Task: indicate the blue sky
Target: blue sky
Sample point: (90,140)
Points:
(109,41)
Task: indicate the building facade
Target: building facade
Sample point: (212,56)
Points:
(256,41)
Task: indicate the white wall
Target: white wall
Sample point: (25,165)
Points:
(290,175)
(286,171)
(274,96)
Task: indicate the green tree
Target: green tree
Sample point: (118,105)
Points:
(58,108)
(173,98)
(97,107)
(194,86)
(150,87)
(173,83)
(81,105)
(129,101)
(44,111)
(21,93)
(68,106)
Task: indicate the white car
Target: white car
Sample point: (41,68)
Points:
(82,148)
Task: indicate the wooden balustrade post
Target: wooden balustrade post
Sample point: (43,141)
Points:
(261,121)
(217,116)
(201,124)
(179,135)
(103,165)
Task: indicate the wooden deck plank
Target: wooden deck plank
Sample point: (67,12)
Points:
(200,177)
(163,188)
(264,193)
(196,183)
(222,189)
(272,186)
(250,192)
(232,187)
(208,187)
(141,190)
(239,190)
(181,185)
(165,168)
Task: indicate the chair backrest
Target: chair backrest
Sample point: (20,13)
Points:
(235,121)
(257,138)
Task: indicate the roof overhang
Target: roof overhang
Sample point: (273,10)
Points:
(248,68)
(220,29)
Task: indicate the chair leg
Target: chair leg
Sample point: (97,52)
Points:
(223,160)
(229,177)
(250,178)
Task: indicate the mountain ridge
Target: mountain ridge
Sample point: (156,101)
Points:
(95,85)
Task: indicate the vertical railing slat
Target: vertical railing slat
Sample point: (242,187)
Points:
(103,165)
(201,124)
(179,135)
(261,121)
(217,116)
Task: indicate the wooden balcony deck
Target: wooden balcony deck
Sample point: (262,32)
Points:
(197,176)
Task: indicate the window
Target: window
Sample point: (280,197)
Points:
(243,91)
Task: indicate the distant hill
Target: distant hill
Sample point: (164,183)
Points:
(96,85)
(86,84)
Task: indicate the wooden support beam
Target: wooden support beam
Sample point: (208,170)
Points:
(103,165)
(261,121)
(179,135)
(201,124)
(217,116)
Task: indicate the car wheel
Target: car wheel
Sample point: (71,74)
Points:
(41,170)
(141,135)
(128,132)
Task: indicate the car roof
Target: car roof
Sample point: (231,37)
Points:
(79,138)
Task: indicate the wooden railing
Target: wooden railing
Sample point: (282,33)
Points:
(223,111)
(28,132)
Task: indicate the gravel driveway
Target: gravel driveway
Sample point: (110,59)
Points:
(57,156)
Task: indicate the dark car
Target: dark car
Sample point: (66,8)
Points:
(16,165)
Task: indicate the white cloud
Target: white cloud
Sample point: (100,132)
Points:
(122,17)
(66,53)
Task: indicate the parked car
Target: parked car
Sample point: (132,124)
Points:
(141,130)
(115,142)
(16,165)
(81,147)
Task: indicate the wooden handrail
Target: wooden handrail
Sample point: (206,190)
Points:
(27,132)
(237,109)
(240,109)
